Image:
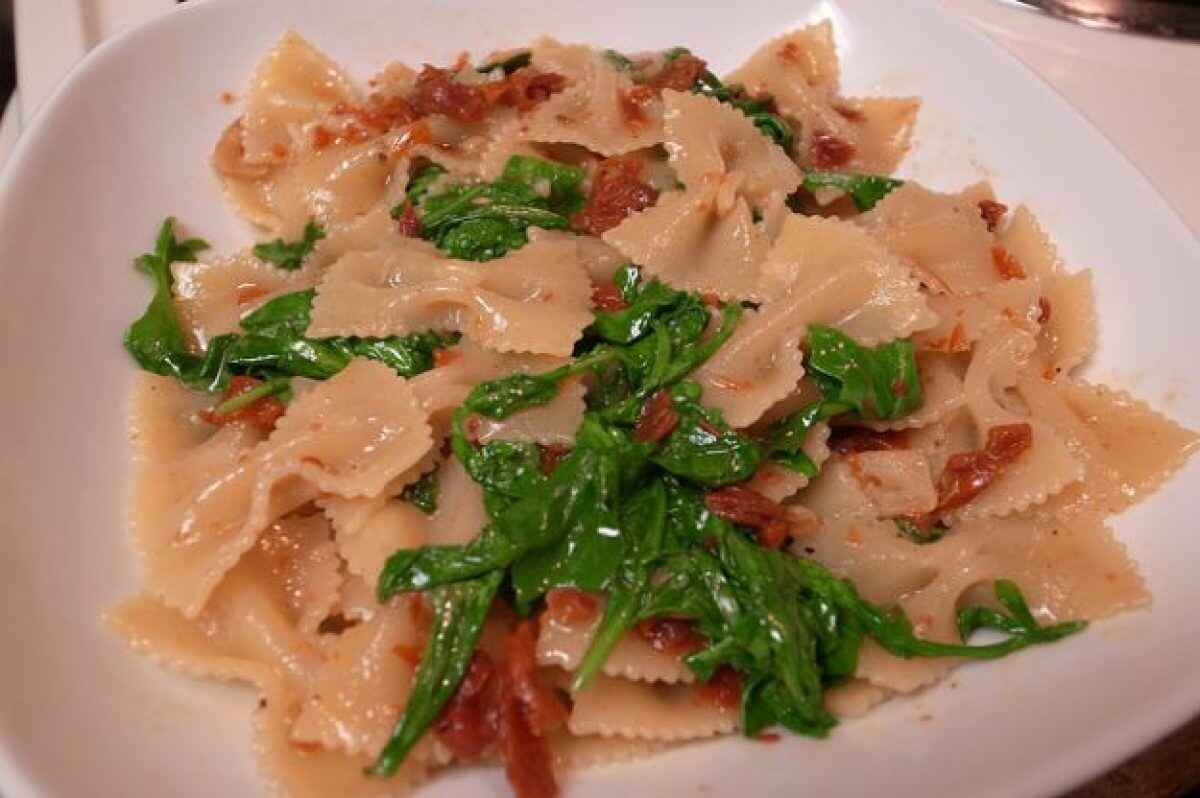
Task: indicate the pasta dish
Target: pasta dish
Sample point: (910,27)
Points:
(575,404)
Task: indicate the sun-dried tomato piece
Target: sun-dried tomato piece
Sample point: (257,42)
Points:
(992,213)
(658,419)
(744,506)
(551,455)
(967,474)
(524,89)
(670,635)
(829,151)
(852,440)
(1006,265)
(469,723)
(437,92)
(408,222)
(679,73)
(263,413)
(617,191)
(633,105)
(528,762)
(724,689)
(608,297)
(544,709)
(571,606)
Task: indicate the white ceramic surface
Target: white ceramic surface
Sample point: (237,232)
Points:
(125,142)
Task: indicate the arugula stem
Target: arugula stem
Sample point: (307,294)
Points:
(244,400)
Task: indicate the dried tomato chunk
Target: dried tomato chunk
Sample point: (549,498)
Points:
(571,606)
(550,456)
(617,191)
(829,152)
(263,413)
(437,92)
(1043,310)
(469,723)
(529,709)
(967,474)
(1006,265)
(608,297)
(724,689)
(670,635)
(853,440)
(408,222)
(524,89)
(741,505)
(679,74)
(992,213)
(658,419)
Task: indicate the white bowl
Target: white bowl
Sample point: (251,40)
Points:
(125,142)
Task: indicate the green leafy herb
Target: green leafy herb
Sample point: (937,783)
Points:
(878,384)
(243,400)
(423,493)
(509,65)
(760,108)
(273,344)
(675,52)
(1019,623)
(628,517)
(483,221)
(459,612)
(908,529)
(618,60)
(864,190)
(703,448)
(290,256)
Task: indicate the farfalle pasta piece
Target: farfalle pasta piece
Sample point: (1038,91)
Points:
(896,483)
(578,753)
(201,503)
(621,708)
(965,319)
(597,109)
(563,643)
(800,71)
(1067,305)
(248,631)
(836,275)
(1128,449)
(310,771)
(359,690)
(702,239)
(536,299)
(1048,466)
(213,297)
(943,234)
(705,137)
(293,85)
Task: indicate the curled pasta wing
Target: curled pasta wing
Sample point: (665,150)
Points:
(536,299)
(593,110)
(621,708)
(564,643)
(835,274)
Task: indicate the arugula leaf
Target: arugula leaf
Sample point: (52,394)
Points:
(486,220)
(274,344)
(879,383)
(643,521)
(423,493)
(759,108)
(559,183)
(509,65)
(1020,622)
(419,186)
(290,256)
(156,340)
(459,612)
(703,448)
(864,190)
(618,60)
